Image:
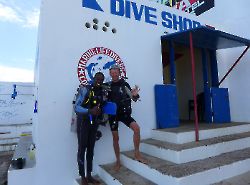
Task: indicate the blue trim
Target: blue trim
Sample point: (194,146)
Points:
(91,4)
(204,37)
(214,68)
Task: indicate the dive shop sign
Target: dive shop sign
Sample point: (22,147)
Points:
(144,13)
(98,59)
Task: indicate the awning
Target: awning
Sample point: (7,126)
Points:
(205,37)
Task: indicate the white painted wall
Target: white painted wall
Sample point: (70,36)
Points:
(20,109)
(63,39)
(234,18)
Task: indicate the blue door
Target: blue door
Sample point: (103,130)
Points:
(167,113)
(220,105)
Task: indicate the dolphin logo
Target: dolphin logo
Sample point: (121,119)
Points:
(108,64)
(91,69)
(91,4)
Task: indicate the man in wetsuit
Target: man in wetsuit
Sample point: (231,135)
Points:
(121,93)
(88,109)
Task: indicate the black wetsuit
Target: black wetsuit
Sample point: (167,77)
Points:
(86,130)
(123,101)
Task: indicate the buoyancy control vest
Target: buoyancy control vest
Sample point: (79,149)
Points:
(95,96)
(120,96)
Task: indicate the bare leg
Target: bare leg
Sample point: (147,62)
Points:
(137,138)
(116,149)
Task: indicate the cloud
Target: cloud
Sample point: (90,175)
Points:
(32,19)
(14,14)
(8,14)
(9,74)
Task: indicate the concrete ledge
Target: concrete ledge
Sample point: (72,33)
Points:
(242,179)
(217,174)
(14,130)
(181,153)
(9,140)
(8,146)
(191,173)
(21,177)
(186,134)
(26,175)
(22,151)
(15,125)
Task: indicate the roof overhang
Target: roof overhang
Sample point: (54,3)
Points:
(205,37)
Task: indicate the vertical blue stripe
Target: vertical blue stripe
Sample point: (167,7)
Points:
(206,89)
(214,68)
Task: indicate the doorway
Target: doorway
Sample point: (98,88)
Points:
(183,78)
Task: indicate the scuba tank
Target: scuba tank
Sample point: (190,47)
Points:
(73,125)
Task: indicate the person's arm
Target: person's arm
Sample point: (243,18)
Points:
(78,105)
(134,92)
(135,97)
(79,100)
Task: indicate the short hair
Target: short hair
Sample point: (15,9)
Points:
(114,66)
(100,73)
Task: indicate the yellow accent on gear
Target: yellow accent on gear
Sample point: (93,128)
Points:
(91,94)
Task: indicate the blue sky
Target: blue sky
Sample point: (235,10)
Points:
(18,39)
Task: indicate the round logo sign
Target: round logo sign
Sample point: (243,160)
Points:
(98,59)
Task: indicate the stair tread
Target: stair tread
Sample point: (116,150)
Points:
(185,169)
(126,176)
(96,177)
(202,126)
(205,142)
(242,179)
(15,125)
(8,144)
(9,138)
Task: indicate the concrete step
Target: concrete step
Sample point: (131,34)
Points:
(27,173)
(181,153)
(8,144)
(207,171)
(10,135)
(125,176)
(14,130)
(186,134)
(78,181)
(243,179)
(7,147)
(9,140)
